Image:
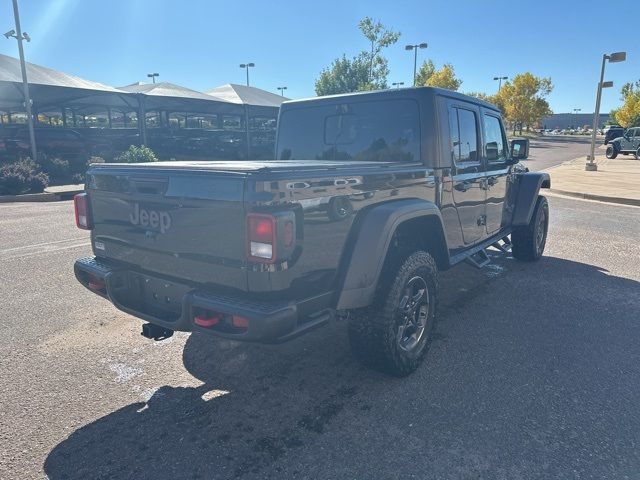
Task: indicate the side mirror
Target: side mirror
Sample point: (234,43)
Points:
(519,149)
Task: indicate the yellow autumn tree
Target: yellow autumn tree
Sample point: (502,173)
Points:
(523,100)
(445,77)
(628,115)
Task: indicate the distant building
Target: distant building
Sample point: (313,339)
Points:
(572,120)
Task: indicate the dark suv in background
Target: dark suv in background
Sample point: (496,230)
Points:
(612,132)
(626,143)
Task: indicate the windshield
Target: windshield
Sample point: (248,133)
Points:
(380,131)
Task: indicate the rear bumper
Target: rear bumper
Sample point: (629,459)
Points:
(172,305)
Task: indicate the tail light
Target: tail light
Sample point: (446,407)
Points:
(261,230)
(83,213)
(270,237)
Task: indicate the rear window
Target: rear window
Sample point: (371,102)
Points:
(381,131)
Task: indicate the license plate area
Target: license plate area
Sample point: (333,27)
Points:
(157,297)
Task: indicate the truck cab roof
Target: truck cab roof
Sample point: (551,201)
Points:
(411,92)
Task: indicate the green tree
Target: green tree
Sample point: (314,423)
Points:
(445,77)
(523,100)
(425,72)
(368,70)
(379,37)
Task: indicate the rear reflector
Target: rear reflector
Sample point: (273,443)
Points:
(207,320)
(83,215)
(96,283)
(240,322)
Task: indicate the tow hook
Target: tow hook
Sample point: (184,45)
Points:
(155,332)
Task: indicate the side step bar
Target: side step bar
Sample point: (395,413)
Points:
(505,246)
(479,259)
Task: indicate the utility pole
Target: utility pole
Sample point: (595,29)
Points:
(19,36)
(246,67)
(415,57)
(500,81)
(613,58)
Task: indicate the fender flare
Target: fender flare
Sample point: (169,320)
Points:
(529,186)
(364,259)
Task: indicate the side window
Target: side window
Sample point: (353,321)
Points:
(464,135)
(454,130)
(494,139)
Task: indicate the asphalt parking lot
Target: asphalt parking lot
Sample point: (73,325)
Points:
(533,373)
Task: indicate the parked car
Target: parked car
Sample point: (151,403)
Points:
(417,180)
(57,142)
(612,132)
(628,143)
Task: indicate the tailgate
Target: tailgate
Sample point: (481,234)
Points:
(184,224)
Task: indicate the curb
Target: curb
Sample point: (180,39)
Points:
(29,197)
(599,198)
(40,197)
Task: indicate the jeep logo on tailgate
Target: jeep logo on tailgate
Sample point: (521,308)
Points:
(150,218)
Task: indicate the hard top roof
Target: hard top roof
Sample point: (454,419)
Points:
(411,92)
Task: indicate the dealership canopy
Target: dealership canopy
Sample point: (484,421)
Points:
(256,99)
(49,87)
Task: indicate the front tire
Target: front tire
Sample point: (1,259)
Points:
(394,333)
(528,242)
(638,154)
(612,152)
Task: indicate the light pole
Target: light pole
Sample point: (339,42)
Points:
(153,76)
(415,57)
(19,35)
(500,81)
(613,58)
(397,84)
(282,89)
(246,66)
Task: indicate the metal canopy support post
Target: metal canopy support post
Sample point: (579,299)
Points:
(246,124)
(142,118)
(591,166)
(25,83)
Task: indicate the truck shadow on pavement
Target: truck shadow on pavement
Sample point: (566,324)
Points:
(553,347)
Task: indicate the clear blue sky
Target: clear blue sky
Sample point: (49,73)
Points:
(199,44)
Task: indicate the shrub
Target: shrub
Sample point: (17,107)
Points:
(58,169)
(135,154)
(22,177)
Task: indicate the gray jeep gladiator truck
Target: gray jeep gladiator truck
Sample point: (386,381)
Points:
(368,197)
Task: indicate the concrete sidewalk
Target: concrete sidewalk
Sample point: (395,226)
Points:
(50,194)
(616,181)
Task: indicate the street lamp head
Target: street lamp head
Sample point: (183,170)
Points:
(423,45)
(617,57)
(409,47)
(607,84)
(26,36)
(251,64)
(10,34)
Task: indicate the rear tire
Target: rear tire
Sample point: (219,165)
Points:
(528,242)
(394,333)
(339,208)
(612,152)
